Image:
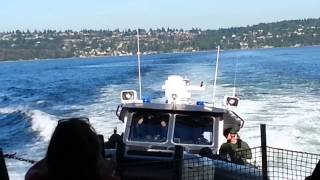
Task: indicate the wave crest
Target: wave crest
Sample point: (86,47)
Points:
(40,121)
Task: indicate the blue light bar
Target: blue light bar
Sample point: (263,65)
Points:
(146,100)
(200,103)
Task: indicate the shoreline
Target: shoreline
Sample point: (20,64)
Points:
(148,54)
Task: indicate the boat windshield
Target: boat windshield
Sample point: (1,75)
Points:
(149,127)
(193,130)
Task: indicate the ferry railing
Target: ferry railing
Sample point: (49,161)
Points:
(266,163)
(264,156)
(281,164)
(287,164)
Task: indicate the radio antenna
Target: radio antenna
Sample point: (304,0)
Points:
(235,77)
(138,53)
(215,75)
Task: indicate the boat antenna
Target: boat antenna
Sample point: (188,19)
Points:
(138,53)
(215,75)
(235,78)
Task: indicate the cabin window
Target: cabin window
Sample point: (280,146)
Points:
(149,127)
(193,130)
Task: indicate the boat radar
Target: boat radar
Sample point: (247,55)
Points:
(178,90)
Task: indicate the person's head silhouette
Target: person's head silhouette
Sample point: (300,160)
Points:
(73,151)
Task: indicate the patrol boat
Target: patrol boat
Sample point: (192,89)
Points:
(158,131)
(178,129)
(153,127)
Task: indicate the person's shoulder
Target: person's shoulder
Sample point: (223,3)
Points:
(115,136)
(225,144)
(35,175)
(225,147)
(38,171)
(243,143)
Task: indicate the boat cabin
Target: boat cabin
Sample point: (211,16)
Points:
(155,129)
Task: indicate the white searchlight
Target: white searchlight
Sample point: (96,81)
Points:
(178,90)
(128,96)
(231,101)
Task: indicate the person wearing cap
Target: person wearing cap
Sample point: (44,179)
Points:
(235,149)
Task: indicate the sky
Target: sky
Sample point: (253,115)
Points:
(124,14)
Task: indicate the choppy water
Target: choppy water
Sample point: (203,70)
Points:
(279,87)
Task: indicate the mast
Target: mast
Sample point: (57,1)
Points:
(138,53)
(215,75)
(235,78)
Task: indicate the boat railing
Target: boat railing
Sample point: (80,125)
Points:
(265,163)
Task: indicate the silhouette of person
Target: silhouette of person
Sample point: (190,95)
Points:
(73,153)
(140,128)
(197,137)
(163,130)
(207,152)
(114,140)
(201,84)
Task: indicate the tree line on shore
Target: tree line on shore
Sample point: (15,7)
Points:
(61,44)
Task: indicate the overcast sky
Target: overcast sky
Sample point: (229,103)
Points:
(124,14)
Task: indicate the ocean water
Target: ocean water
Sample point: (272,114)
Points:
(278,87)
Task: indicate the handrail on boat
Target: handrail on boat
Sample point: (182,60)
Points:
(242,121)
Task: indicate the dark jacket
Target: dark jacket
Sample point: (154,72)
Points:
(238,152)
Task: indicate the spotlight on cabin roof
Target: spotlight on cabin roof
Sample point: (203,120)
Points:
(128,96)
(231,101)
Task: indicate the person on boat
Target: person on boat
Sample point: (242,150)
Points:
(162,131)
(235,149)
(140,128)
(74,152)
(201,84)
(197,137)
(114,140)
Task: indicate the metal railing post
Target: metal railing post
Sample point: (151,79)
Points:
(3,168)
(178,158)
(264,152)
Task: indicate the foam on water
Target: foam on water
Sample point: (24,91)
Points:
(290,121)
(101,111)
(8,110)
(16,169)
(43,123)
